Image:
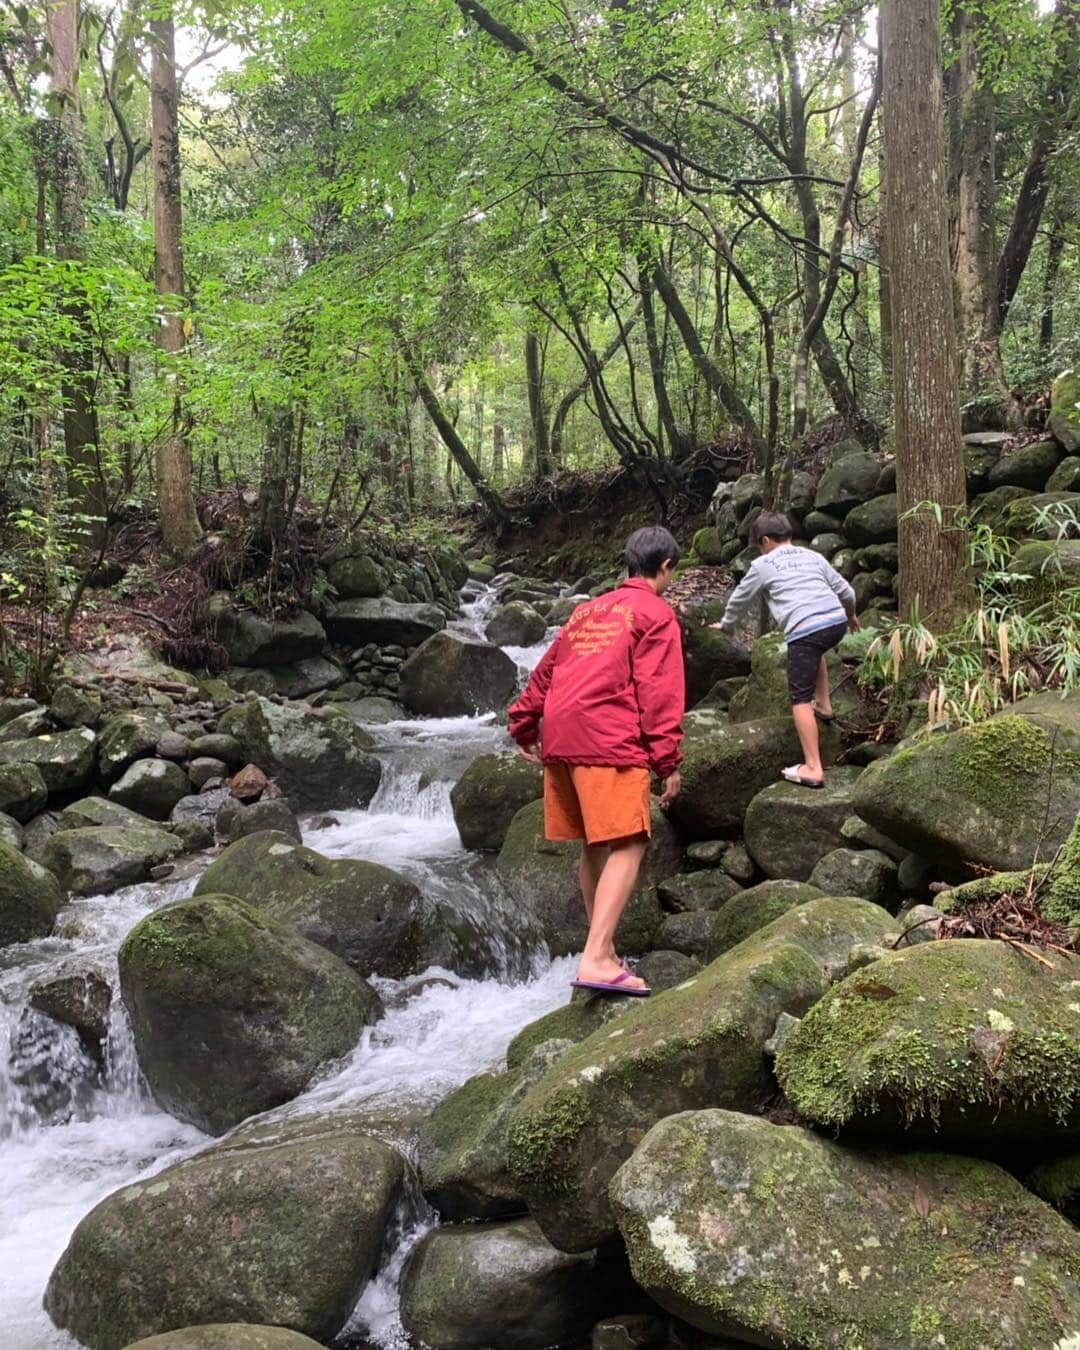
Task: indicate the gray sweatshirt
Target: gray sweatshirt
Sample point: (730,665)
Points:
(804,593)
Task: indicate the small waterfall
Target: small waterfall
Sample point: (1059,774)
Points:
(74,1128)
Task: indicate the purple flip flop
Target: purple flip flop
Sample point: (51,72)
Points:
(616,986)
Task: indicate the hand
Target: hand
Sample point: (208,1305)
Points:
(531,752)
(718,626)
(853,624)
(672,784)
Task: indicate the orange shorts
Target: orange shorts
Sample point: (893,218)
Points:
(594,802)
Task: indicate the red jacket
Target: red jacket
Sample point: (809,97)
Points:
(610,689)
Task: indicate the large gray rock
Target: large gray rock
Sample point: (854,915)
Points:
(22,791)
(872,522)
(454,676)
(321,763)
(227,1336)
(726,765)
(516,624)
(780,1238)
(868,873)
(847,483)
(700,1044)
(384,622)
(1028,467)
(488,796)
(994,794)
(788,830)
(152,787)
(748,911)
(30,899)
(366,914)
(1064,416)
(542,878)
(98,859)
(282,1223)
(251,640)
(90,811)
(967,1041)
(65,759)
(233,1012)
(301,678)
(461,1148)
(499,1285)
(357,576)
(126,737)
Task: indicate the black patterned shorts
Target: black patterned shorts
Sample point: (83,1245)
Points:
(804,658)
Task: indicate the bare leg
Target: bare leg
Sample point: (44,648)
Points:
(823,694)
(806,725)
(593,858)
(613,889)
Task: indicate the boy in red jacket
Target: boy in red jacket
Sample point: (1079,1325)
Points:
(610,696)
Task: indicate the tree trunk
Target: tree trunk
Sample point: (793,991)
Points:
(929,455)
(884,279)
(270,513)
(1054,252)
(451,439)
(86,486)
(179,520)
(538,418)
(982,376)
(498,448)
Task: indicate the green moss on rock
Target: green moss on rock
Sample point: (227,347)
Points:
(754,909)
(959,1040)
(779,1237)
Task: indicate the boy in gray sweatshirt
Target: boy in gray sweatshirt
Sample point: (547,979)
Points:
(814,607)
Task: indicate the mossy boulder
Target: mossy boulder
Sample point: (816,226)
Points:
(1066,477)
(993,794)
(30,898)
(251,640)
(233,1012)
(781,1238)
(455,676)
(281,1225)
(1064,419)
(964,1040)
(64,759)
(384,621)
(708,654)
(87,812)
(227,1336)
(1058,1183)
(1028,467)
(1048,566)
(499,1285)
(542,879)
(321,763)
(461,1148)
(693,891)
(572,1022)
(688,933)
(22,791)
(488,796)
(872,522)
(151,786)
(1045,515)
(726,765)
(866,872)
(98,859)
(709,546)
(701,1043)
(357,576)
(788,830)
(127,737)
(751,910)
(516,624)
(846,483)
(368,915)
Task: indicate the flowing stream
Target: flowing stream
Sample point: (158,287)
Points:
(70,1133)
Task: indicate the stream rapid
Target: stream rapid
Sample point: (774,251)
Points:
(71,1133)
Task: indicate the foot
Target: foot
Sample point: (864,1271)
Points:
(824,711)
(804,775)
(607,972)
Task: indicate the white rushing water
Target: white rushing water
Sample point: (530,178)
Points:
(72,1132)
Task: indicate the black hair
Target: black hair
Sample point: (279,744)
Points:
(770,525)
(648,549)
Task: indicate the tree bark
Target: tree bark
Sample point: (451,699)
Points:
(929,455)
(538,419)
(566,403)
(180,529)
(1055,250)
(86,485)
(982,374)
(270,513)
(450,437)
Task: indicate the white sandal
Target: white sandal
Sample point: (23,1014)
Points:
(793,775)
